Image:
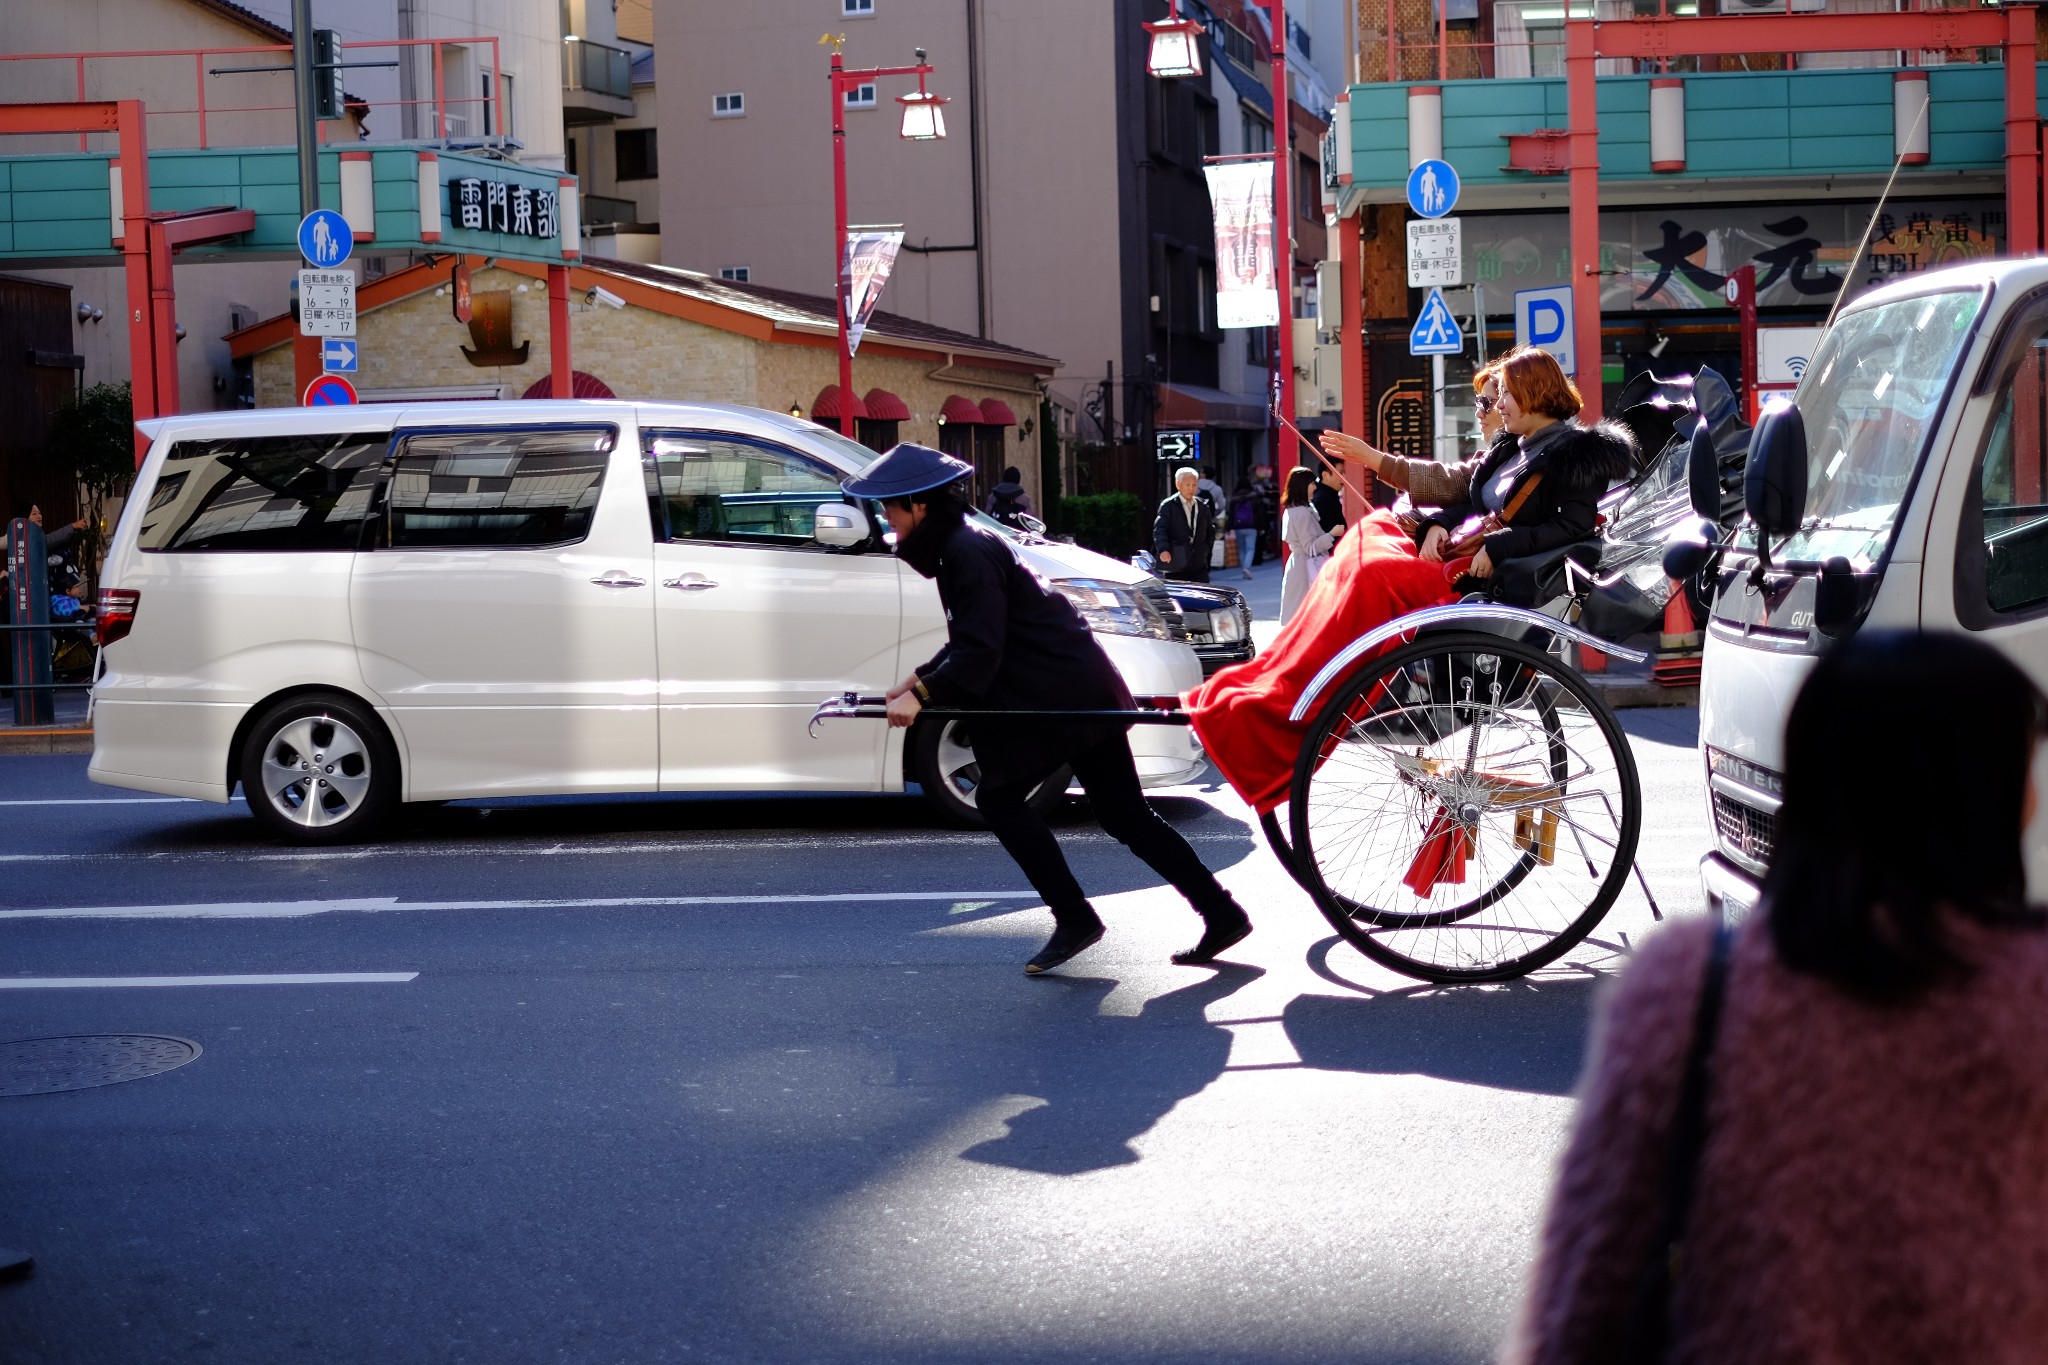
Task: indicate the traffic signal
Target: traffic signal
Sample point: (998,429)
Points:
(326,74)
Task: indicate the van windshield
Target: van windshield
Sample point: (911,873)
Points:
(1870,398)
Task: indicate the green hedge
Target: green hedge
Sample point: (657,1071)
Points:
(1112,523)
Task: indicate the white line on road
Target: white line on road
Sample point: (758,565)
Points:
(45,983)
(108,801)
(299,909)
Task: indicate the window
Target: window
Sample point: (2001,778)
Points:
(1258,132)
(857,9)
(2005,558)
(264,493)
(495,488)
(875,434)
(1258,349)
(861,96)
(728,106)
(733,491)
(1308,188)
(738,274)
(633,153)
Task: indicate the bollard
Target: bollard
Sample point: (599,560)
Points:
(28,604)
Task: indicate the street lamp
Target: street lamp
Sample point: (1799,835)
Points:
(923,121)
(1176,50)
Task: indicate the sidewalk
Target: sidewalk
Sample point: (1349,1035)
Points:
(70,735)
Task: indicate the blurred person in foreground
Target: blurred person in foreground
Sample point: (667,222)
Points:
(1871,1183)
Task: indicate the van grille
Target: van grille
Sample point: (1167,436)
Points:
(1746,833)
(1168,608)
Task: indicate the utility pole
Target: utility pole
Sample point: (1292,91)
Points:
(302,106)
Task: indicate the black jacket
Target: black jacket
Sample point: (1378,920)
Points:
(1189,546)
(1013,644)
(1577,467)
(1329,506)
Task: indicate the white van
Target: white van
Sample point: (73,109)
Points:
(343,609)
(1906,488)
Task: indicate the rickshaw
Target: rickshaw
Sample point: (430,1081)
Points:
(1465,807)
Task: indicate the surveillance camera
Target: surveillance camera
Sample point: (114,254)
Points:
(599,294)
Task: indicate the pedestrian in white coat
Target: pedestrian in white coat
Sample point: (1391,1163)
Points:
(1308,544)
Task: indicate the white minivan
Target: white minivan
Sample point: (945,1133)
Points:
(1904,487)
(344,609)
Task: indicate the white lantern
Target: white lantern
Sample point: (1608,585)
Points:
(1425,124)
(1667,125)
(923,118)
(1176,45)
(1910,142)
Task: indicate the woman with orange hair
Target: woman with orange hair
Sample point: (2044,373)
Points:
(1537,487)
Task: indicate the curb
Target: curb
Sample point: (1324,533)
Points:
(1625,690)
(51,741)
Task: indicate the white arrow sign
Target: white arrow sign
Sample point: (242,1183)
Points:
(338,355)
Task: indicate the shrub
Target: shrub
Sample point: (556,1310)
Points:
(1110,523)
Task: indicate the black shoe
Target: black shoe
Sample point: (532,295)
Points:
(1063,944)
(1219,933)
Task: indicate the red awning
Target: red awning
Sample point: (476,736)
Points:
(961,410)
(581,385)
(884,406)
(1191,405)
(826,404)
(996,413)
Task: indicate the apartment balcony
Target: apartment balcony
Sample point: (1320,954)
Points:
(597,81)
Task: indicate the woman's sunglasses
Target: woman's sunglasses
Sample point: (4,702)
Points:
(1483,405)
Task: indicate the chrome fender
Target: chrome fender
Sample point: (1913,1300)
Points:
(1449,614)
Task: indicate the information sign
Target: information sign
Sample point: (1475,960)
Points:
(327,303)
(1436,252)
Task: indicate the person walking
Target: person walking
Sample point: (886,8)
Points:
(1184,529)
(1329,498)
(1244,525)
(1013,644)
(1007,501)
(1861,1174)
(1308,544)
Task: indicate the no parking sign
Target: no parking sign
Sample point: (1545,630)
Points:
(330,391)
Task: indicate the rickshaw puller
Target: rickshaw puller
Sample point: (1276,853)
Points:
(1014,644)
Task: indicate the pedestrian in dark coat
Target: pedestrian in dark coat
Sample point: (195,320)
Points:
(1873,1185)
(1015,644)
(1184,530)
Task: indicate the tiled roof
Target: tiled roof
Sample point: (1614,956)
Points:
(247,18)
(787,308)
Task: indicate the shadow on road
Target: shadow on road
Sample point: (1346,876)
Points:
(1110,1078)
(1527,1035)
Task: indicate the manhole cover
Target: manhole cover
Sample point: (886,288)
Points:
(44,1066)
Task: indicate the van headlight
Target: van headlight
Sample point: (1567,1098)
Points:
(1226,627)
(1114,608)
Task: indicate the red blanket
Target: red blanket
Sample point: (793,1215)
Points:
(1240,714)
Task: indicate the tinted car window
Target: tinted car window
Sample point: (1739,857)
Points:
(502,487)
(264,493)
(736,492)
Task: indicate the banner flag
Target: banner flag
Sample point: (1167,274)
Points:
(870,256)
(1242,195)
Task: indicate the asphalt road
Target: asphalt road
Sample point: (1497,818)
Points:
(755,1080)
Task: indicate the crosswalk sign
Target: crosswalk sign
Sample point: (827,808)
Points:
(1435,331)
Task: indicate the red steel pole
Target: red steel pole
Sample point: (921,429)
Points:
(562,374)
(1583,143)
(839,274)
(1743,281)
(2022,130)
(1282,397)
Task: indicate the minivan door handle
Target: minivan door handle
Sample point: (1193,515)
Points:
(690,582)
(619,580)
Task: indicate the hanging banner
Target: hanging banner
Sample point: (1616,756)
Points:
(1242,196)
(870,256)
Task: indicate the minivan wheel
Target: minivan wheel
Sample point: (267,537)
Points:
(319,770)
(943,764)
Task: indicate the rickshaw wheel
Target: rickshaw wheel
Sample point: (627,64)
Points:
(1462,761)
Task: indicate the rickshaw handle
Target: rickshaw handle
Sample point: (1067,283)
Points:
(853,706)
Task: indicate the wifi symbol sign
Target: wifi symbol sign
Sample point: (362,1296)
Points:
(1797,365)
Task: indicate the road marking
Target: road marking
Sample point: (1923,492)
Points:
(441,852)
(300,909)
(46,983)
(107,801)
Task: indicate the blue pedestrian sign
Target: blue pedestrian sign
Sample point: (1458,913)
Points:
(1435,331)
(1543,318)
(324,239)
(1432,188)
(330,391)
(338,355)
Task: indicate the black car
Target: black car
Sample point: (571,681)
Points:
(1217,619)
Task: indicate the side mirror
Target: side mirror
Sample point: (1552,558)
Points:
(1031,524)
(1689,547)
(840,525)
(1774,483)
(1703,474)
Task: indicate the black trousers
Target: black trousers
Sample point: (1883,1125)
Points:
(1110,777)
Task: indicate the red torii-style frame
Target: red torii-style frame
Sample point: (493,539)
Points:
(147,242)
(1589,40)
